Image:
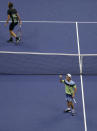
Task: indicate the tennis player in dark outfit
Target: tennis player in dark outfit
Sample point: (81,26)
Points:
(12,13)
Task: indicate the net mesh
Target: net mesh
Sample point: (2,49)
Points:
(89,64)
(38,63)
(27,63)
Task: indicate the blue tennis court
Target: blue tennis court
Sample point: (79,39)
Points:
(58,37)
(36,103)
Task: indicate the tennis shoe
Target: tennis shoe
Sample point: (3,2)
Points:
(73,112)
(17,39)
(67,110)
(10,40)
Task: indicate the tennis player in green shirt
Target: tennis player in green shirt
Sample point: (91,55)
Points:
(70,90)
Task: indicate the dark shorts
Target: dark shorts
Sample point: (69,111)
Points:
(69,98)
(12,25)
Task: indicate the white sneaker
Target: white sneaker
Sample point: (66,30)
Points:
(73,112)
(67,110)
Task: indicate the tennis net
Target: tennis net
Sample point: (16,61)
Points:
(31,63)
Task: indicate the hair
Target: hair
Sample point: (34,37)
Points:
(10,5)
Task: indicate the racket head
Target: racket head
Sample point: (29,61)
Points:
(19,32)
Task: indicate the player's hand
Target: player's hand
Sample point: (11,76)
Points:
(60,76)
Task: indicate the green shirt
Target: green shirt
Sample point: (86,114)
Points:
(69,86)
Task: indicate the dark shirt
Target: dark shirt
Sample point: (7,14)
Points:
(13,14)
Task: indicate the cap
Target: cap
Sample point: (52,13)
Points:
(69,75)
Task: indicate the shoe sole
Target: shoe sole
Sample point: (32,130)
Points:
(67,111)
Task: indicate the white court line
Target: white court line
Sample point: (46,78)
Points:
(42,53)
(57,22)
(81,78)
(36,53)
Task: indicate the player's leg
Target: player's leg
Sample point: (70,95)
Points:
(10,29)
(71,104)
(68,107)
(72,107)
(12,34)
(68,104)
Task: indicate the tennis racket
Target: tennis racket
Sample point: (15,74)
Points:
(19,32)
(74,100)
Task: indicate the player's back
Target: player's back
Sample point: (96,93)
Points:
(13,14)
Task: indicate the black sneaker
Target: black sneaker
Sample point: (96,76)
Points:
(10,40)
(17,39)
(67,110)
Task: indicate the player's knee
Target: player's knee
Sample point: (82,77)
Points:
(71,103)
